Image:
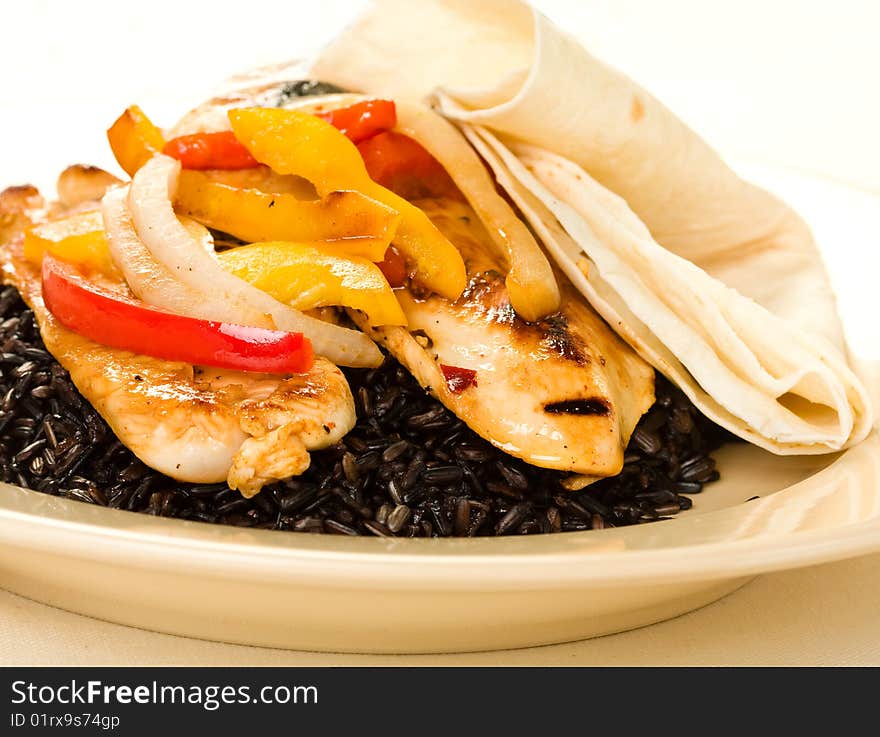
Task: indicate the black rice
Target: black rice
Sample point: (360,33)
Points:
(410,468)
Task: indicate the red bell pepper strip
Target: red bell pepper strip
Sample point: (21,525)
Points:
(222,150)
(210,151)
(404,166)
(121,322)
(458,379)
(393,267)
(363,120)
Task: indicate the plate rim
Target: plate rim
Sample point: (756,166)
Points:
(455,563)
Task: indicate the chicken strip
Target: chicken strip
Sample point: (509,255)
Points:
(192,423)
(563,393)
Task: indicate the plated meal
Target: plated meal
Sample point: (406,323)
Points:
(398,291)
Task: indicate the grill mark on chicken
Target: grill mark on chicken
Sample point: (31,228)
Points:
(592,406)
(485,297)
(558,338)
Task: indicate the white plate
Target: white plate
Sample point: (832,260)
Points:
(370,595)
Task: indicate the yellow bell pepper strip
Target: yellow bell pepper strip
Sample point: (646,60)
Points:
(78,239)
(134,139)
(264,179)
(357,225)
(306,276)
(293,142)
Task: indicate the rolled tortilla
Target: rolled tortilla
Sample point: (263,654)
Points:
(735,306)
(785,390)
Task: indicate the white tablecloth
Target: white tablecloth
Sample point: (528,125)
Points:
(825,615)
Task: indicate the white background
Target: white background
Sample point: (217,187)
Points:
(790,82)
(794,81)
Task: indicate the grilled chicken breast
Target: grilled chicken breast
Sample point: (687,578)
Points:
(192,423)
(563,393)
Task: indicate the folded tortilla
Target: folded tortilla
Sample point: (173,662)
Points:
(717,283)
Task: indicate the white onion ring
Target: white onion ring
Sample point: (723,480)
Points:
(146,277)
(149,202)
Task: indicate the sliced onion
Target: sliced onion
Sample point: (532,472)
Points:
(531,284)
(147,278)
(168,242)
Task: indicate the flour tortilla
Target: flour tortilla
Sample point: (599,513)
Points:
(714,281)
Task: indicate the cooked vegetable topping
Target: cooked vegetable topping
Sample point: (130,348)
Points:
(186,260)
(393,266)
(363,120)
(307,277)
(122,322)
(458,379)
(305,253)
(531,283)
(402,165)
(134,139)
(209,151)
(361,226)
(151,282)
(293,142)
(78,239)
